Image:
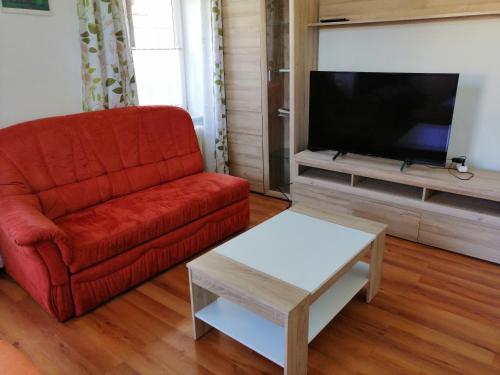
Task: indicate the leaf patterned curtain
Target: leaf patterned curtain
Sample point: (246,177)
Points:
(108,70)
(221,147)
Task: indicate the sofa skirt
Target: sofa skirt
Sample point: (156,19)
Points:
(98,284)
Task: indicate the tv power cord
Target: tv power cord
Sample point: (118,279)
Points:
(285,195)
(458,168)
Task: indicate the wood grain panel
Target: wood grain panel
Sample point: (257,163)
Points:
(402,223)
(242,24)
(200,298)
(243,81)
(242,21)
(296,333)
(242,64)
(461,236)
(245,139)
(357,10)
(265,295)
(254,175)
(244,122)
(242,54)
(304,56)
(245,150)
(318,197)
(240,96)
(246,155)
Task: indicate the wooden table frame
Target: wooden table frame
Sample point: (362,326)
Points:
(213,275)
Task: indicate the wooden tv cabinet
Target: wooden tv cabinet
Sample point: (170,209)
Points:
(421,204)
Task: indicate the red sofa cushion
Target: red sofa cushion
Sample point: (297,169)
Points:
(73,162)
(101,232)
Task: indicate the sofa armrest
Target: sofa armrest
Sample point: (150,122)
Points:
(25,225)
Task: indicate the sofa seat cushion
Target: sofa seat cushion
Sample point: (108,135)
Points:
(101,232)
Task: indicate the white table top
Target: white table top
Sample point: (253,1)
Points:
(296,248)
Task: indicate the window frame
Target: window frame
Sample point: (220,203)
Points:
(177,20)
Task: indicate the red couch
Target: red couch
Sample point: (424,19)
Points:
(95,203)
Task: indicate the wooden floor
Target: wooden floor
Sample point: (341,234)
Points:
(437,313)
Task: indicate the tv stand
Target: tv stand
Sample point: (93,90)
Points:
(405,164)
(339,153)
(425,205)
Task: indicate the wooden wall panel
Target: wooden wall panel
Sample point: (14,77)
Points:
(404,9)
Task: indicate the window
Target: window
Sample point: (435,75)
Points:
(158,53)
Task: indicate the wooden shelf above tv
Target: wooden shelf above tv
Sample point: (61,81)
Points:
(381,11)
(402,19)
(422,204)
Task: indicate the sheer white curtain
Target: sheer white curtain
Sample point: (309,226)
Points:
(212,84)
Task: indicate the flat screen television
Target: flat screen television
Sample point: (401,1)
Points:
(402,116)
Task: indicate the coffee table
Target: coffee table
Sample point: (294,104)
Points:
(276,286)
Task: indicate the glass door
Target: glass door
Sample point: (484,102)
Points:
(278,89)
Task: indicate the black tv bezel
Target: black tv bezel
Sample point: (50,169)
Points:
(435,162)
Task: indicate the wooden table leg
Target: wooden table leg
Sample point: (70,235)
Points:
(200,298)
(297,340)
(377,258)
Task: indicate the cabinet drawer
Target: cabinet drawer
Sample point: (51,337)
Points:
(401,223)
(460,236)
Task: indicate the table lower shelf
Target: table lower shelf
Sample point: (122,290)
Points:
(268,338)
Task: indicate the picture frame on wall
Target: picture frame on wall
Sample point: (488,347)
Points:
(35,7)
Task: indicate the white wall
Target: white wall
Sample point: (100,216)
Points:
(469,47)
(40,64)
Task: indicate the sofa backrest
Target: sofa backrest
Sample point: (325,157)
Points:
(77,161)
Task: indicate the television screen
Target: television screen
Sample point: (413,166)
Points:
(403,116)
